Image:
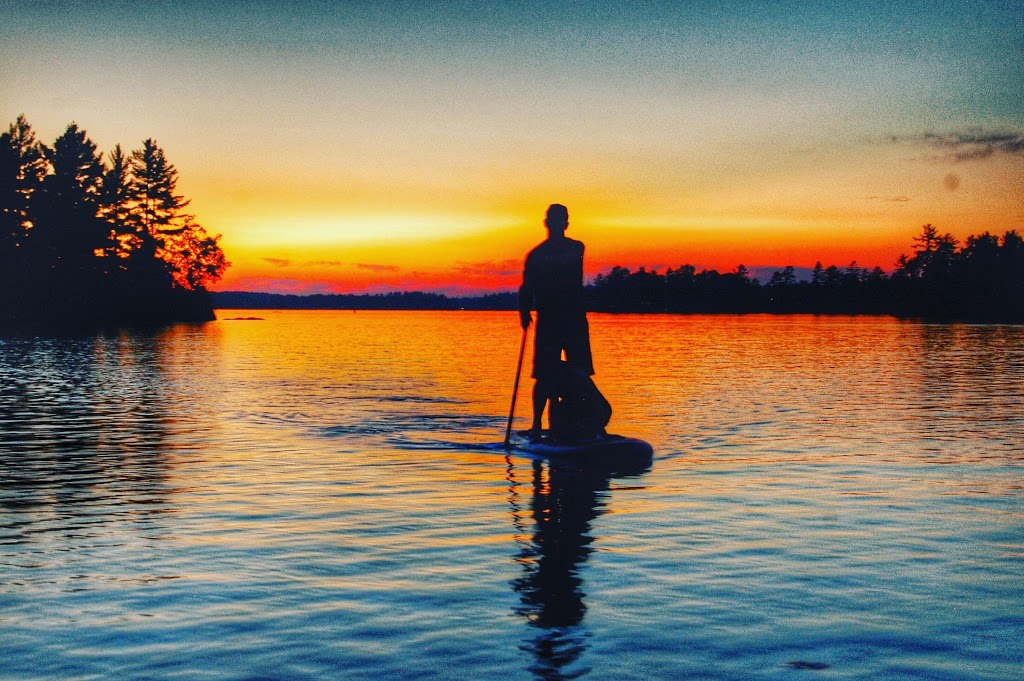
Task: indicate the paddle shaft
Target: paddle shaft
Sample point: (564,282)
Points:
(515,390)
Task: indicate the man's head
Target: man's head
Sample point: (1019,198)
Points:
(557,218)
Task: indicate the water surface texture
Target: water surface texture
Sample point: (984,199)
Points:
(322,495)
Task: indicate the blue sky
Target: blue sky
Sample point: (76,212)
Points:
(713,133)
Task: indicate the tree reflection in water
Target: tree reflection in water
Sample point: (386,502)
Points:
(553,528)
(84,428)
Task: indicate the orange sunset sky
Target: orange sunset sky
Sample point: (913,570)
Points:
(361,146)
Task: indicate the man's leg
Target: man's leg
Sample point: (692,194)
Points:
(547,352)
(541,393)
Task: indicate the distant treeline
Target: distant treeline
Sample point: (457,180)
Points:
(981,280)
(91,241)
(88,240)
(406,300)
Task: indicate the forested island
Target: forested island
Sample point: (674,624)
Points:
(92,240)
(980,280)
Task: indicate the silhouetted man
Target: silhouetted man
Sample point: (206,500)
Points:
(553,285)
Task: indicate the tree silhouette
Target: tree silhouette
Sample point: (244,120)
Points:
(69,236)
(153,189)
(115,206)
(191,256)
(786,277)
(983,281)
(22,168)
(87,242)
(195,258)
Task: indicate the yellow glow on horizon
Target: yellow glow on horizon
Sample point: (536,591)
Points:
(362,230)
(406,233)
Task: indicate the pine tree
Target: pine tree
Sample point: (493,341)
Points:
(69,233)
(22,168)
(190,255)
(154,183)
(155,212)
(83,242)
(115,205)
(818,275)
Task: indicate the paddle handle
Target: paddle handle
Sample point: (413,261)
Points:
(515,390)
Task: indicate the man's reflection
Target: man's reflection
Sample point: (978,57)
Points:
(567,496)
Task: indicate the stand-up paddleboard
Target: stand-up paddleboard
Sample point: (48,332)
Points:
(617,446)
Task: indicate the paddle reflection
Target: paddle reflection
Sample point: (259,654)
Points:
(553,528)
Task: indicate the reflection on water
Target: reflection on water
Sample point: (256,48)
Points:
(554,532)
(82,421)
(321,494)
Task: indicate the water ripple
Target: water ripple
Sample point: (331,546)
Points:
(830,497)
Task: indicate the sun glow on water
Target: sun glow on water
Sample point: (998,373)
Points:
(321,493)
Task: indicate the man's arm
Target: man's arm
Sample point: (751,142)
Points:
(526,297)
(580,272)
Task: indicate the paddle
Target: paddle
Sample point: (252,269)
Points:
(515,390)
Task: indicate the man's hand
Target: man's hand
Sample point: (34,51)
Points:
(525,319)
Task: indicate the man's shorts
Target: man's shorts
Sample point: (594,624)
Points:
(552,338)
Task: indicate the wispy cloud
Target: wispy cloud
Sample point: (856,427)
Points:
(501,268)
(278,285)
(377,268)
(889,199)
(968,145)
(278,262)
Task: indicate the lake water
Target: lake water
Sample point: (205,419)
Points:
(323,495)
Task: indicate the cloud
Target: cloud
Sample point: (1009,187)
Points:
(501,268)
(377,268)
(277,285)
(968,145)
(278,262)
(324,263)
(893,199)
